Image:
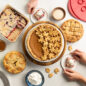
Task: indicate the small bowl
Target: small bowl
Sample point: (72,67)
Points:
(3,44)
(27,81)
(58,8)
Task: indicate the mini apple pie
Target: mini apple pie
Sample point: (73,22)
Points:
(14,62)
(73,30)
(44,42)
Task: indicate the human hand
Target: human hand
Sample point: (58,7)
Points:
(72,75)
(79,55)
(32,5)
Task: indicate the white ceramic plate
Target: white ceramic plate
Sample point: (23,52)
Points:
(47,60)
(45,18)
(63,60)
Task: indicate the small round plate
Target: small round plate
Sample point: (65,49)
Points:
(27,81)
(58,8)
(63,60)
(45,18)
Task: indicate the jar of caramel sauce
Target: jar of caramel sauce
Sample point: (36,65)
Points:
(2,45)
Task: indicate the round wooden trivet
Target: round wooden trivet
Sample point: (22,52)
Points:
(24,49)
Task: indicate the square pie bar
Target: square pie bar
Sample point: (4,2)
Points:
(11,24)
(39,14)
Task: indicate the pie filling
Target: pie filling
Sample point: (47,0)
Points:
(35,46)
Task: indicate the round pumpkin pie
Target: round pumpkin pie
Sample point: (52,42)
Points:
(44,42)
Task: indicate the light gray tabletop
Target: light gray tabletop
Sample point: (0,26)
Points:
(57,80)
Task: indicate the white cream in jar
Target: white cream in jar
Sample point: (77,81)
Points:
(35,78)
(58,13)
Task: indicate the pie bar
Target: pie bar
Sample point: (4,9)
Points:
(73,30)
(11,24)
(44,42)
(40,13)
(14,62)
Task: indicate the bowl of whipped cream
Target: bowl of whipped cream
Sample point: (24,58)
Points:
(34,78)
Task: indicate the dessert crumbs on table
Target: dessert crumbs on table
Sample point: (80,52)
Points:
(47,70)
(69,47)
(50,75)
(56,70)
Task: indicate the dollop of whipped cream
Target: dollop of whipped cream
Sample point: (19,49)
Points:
(35,78)
(58,14)
(71,62)
(40,12)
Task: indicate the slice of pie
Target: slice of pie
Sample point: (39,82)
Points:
(40,13)
(44,42)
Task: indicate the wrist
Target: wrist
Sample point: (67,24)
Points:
(33,0)
(82,79)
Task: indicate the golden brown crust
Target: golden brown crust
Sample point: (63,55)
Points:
(73,30)
(50,48)
(14,62)
(70,48)
(56,70)
(47,70)
(50,75)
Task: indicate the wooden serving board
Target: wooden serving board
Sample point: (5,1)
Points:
(28,56)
